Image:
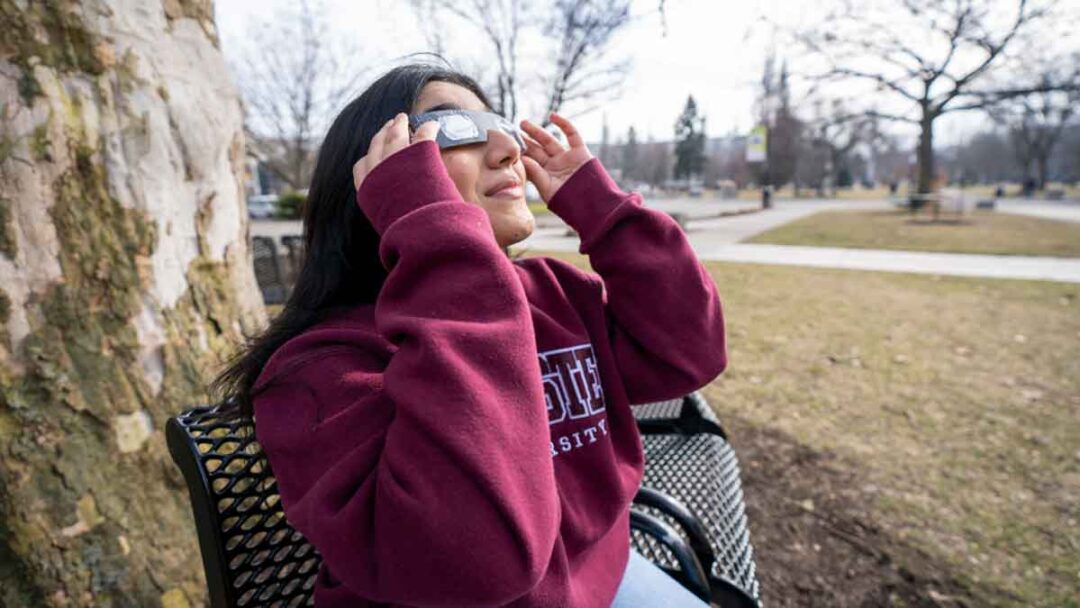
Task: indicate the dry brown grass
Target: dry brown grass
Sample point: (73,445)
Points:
(985,232)
(955,401)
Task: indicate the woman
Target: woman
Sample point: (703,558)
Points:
(449,426)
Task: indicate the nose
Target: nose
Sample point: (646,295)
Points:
(501,148)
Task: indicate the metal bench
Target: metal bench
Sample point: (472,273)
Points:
(268,273)
(687,518)
(294,253)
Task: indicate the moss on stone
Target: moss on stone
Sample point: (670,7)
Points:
(5,315)
(200,10)
(86,352)
(194,9)
(39,143)
(29,87)
(16,586)
(5,308)
(7,146)
(205,316)
(127,74)
(49,32)
(8,244)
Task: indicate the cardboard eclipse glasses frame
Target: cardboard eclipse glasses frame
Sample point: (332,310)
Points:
(463,127)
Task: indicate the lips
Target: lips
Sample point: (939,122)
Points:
(508,183)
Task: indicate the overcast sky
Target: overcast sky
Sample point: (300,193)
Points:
(713,50)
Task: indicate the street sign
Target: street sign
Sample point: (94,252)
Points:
(756,144)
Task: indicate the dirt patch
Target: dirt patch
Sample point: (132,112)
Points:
(816,537)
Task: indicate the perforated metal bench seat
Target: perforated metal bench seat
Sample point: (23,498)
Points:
(686,415)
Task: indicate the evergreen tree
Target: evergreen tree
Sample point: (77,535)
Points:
(690,142)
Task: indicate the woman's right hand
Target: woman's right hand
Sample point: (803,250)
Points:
(392,137)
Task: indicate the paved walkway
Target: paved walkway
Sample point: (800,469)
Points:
(704,228)
(956,264)
(719,239)
(1067,211)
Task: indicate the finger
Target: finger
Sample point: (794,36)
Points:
(572,136)
(547,141)
(375,150)
(428,130)
(535,150)
(397,136)
(533,171)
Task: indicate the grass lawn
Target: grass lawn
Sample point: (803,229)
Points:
(539,208)
(929,425)
(986,232)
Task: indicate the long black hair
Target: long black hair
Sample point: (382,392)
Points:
(341,266)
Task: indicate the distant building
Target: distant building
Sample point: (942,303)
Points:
(725,162)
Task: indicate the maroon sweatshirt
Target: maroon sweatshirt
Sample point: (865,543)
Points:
(468,440)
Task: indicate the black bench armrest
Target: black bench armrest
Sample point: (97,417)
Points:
(692,573)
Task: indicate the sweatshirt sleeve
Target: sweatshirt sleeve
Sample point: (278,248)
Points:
(663,311)
(426,479)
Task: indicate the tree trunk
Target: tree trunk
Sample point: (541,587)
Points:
(125,276)
(1041,163)
(926,153)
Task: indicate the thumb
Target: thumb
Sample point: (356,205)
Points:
(426,131)
(537,175)
(534,172)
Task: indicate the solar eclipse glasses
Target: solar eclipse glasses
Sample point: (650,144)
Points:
(462,127)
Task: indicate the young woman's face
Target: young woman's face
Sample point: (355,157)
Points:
(478,169)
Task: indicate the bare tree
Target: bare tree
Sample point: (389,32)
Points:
(500,21)
(886,160)
(583,31)
(1035,125)
(656,160)
(934,57)
(837,133)
(579,32)
(985,157)
(293,75)
(1067,158)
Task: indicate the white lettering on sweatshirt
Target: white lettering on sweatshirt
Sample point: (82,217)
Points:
(573,391)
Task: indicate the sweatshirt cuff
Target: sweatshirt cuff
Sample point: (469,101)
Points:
(406,180)
(588,197)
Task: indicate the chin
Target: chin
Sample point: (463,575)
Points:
(517,230)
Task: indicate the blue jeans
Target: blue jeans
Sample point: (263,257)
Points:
(644,584)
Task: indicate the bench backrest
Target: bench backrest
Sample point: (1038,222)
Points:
(251,555)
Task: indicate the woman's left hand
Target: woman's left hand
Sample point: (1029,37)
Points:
(549,164)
